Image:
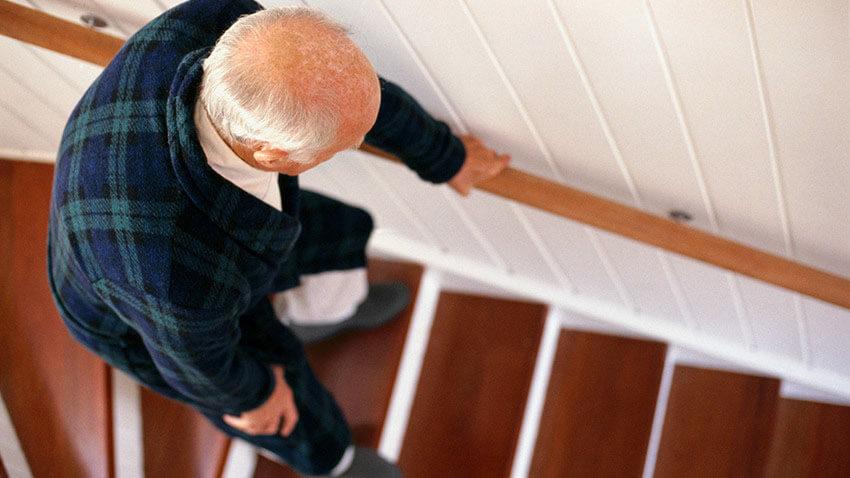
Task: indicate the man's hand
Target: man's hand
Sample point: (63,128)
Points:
(268,417)
(481,163)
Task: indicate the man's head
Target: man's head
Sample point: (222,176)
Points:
(287,89)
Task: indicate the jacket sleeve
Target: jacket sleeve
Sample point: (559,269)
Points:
(195,350)
(424,144)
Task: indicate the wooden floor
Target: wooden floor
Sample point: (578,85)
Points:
(810,440)
(599,406)
(359,369)
(55,390)
(178,441)
(472,392)
(717,424)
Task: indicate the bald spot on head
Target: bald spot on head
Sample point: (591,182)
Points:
(321,67)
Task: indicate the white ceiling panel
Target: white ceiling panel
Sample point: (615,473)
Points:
(772,315)
(643,277)
(829,334)
(439,210)
(449,47)
(710,301)
(571,246)
(805,50)
(538,63)
(707,42)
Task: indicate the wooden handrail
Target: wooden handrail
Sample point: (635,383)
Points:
(38,28)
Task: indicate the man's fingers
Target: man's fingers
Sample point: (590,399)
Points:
(290,419)
(236,422)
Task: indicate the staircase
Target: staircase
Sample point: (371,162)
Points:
(459,385)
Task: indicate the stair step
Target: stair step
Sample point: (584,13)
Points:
(470,399)
(599,406)
(717,424)
(810,439)
(179,441)
(359,369)
(57,392)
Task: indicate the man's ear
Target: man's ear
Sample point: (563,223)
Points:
(270,156)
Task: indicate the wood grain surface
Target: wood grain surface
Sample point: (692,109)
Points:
(810,440)
(599,406)
(56,391)
(179,441)
(471,395)
(717,424)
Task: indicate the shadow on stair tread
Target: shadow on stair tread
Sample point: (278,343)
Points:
(359,368)
(599,407)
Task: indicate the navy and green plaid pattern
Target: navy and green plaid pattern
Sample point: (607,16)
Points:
(163,268)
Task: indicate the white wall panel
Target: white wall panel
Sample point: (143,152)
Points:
(614,41)
(641,271)
(499,224)
(771,313)
(805,49)
(74,73)
(575,254)
(538,64)
(829,331)
(432,205)
(37,77)
(444,37)
(707,44)
(706,290)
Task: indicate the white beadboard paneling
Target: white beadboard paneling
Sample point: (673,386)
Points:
(554,96)
(469,78)
(771,314)
(714,73)
(707,292)
(432,205)
(74,73)
(575,254)
(829,332)
(18,135)
(805,51)
(644,278)
(614,42)
(348,169)
(32,75)
(499,224)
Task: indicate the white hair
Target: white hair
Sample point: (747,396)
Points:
(244,102)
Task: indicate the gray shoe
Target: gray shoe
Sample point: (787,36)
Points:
(368,464)
(383,303)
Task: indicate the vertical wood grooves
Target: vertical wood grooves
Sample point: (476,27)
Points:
(776,174)
(470,400)
(473,228)
(599,408)
(673,282)
(676,100)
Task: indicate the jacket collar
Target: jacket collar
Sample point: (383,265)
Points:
(250,221)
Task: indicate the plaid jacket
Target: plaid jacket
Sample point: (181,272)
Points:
(163,267)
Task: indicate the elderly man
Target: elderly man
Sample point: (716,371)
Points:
(181,249)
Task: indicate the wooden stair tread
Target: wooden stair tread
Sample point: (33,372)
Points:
(717,424)
(470,399)
(810,439)
(599,406)
(359,368)
(179,441)
(57,392)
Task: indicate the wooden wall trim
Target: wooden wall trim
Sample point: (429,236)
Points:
(38,28)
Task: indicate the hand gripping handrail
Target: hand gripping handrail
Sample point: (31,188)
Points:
(41,29)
